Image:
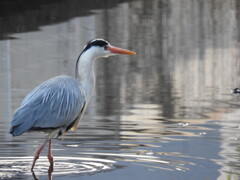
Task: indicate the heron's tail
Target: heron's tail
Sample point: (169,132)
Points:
(21,122)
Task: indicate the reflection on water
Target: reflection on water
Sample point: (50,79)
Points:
(168,109)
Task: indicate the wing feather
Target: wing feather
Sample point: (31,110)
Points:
(55,103)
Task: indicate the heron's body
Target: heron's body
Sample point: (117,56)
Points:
(53,106)
(57,105)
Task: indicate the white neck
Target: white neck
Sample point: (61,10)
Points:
(85,72)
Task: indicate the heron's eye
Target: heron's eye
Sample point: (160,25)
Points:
(105,47)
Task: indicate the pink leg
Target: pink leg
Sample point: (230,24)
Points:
(50,157)
(36,156)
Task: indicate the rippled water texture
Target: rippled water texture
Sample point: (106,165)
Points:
(165,113)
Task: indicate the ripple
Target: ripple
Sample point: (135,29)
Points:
(13,166)
(148,158)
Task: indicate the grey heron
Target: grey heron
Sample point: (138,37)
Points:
(57,105)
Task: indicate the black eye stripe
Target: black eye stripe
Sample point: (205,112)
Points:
(96,42)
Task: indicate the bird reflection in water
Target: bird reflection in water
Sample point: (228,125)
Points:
(50,171)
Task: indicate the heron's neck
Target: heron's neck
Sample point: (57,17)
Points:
(85,72)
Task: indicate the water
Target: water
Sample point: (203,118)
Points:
(166,113)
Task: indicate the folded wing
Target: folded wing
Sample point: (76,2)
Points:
(54,104)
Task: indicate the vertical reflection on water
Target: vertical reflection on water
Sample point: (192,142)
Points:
(5,94)
(189,55)
(188,60)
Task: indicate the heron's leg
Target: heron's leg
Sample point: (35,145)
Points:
(36,156)
(50,157)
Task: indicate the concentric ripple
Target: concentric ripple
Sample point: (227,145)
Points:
(99,162)
(13,166)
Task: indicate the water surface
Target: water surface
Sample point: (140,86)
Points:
(166,113)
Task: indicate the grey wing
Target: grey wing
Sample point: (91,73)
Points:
(56,103)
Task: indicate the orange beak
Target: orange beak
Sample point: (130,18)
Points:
(116,50)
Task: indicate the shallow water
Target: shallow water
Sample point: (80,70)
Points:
(165,113)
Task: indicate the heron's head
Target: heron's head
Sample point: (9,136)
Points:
(102,48)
